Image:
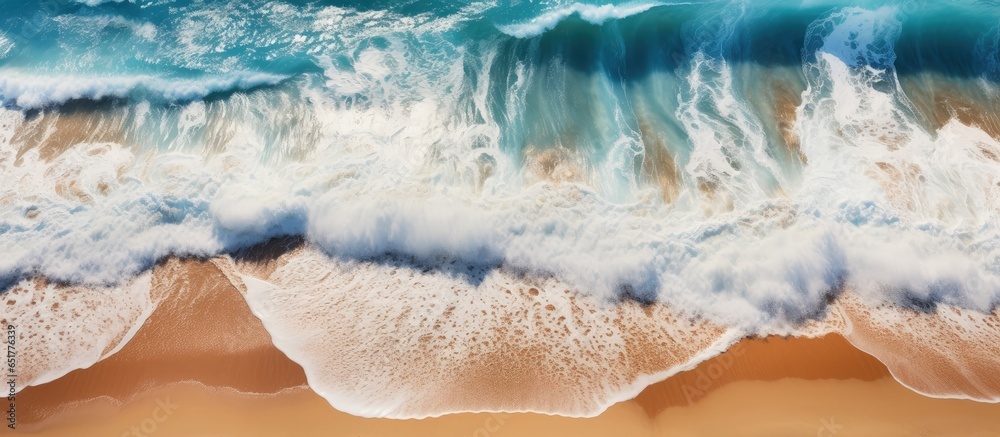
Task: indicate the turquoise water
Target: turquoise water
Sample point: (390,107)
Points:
(635,149)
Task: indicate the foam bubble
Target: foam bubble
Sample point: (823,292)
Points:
(63,328)
(384,340)
(950,353)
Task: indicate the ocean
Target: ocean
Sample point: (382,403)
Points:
(740,164)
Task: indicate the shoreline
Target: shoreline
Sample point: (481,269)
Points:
(853,399)
(228,360)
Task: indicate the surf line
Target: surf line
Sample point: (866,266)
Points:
(12,376)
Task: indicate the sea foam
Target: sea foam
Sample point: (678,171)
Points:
(101,2)
(595,14)
(28,91)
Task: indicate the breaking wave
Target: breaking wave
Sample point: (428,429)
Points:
(741,164)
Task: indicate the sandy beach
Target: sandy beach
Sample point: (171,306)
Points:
(784,407)
(825,406)
(202,365)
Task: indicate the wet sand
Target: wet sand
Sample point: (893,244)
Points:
(53,133)
(202,365)
(202,330)
(757,405)
(827,407)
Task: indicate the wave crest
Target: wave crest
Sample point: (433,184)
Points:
(93,3)
(34,92)
(590,13)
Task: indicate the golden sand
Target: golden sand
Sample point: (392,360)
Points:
(53,133)
(939,100)
(785,104)
(658,166)
(556,164)
(201,331)
(826,406)
(948,351)
(772,359)
(202,365)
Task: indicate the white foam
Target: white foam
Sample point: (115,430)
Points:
(63,328)
(101,2)
(91,26)
(29,91)
(86,217)
(596,14)
(951,353)
(6,45)
(388,341)
(399,172)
